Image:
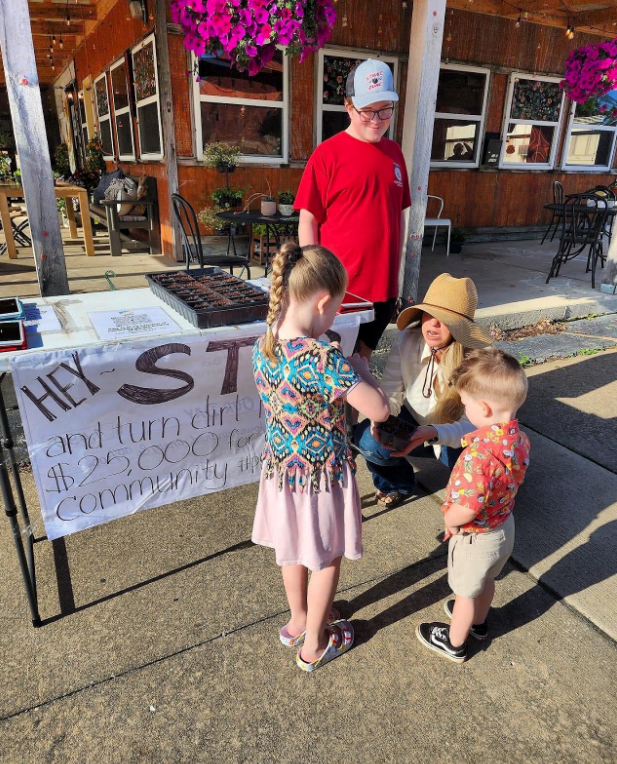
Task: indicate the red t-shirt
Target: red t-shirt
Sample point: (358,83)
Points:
(357,191)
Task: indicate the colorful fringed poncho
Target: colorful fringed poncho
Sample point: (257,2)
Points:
(302,393)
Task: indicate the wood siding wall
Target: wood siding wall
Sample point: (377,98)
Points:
(473,198)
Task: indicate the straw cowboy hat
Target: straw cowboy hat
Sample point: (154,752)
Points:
(453,302)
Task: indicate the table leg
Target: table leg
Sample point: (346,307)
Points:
(86,222)
(7,227)
(70,214)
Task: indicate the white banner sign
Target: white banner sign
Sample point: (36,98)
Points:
(115,429)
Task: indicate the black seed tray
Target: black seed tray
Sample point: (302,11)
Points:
(215,315)
(395,432)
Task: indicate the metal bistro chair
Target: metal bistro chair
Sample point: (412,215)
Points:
(437,222)
(611,195)
(557,215)
(582,227)
(185,214)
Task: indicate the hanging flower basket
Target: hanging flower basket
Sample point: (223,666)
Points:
(248,31)
(591,71)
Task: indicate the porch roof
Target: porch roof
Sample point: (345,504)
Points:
(49,18)
(597,17)
(68,20)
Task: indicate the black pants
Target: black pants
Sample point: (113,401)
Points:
(371,333)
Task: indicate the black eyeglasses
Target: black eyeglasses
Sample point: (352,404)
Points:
(368,115)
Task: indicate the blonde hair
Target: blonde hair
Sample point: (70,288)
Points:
(300,272)
(493,375)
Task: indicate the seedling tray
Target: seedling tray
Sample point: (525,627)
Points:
(210,297)
(395,432)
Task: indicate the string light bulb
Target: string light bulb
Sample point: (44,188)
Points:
(518,21)
(61,43)
(53,40)
(526,14)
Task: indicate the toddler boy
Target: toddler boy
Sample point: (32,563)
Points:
(480,497)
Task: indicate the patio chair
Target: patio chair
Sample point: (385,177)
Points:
(437,222)
(611,195)
(557,215)
(582,226)
(191,239)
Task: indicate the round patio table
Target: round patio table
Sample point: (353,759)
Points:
(278,225)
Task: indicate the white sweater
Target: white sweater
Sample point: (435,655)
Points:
(403,379)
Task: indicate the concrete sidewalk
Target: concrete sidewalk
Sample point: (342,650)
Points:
(160,641)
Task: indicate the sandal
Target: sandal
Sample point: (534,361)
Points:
(390,500)
(289,641)
(337,645)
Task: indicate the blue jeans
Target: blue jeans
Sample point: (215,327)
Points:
(395,473)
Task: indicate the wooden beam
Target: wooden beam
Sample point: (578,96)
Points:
(45,28)
(55,12)
(167,115)
(31,141)
(427,24)
(606,19)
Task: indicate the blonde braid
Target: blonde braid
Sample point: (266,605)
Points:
(278,289)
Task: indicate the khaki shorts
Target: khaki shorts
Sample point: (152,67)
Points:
(475,557)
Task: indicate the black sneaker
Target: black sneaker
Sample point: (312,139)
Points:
(478,631)
(436,636)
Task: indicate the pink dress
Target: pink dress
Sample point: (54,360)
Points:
(309,508)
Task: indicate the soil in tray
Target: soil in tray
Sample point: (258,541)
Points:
(395,432)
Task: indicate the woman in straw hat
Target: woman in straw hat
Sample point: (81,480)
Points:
(431,343)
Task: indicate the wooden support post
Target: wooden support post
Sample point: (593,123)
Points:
(609,277)
(29,126)
(167,115)
(427,24)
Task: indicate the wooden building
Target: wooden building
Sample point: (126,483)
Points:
(503,131)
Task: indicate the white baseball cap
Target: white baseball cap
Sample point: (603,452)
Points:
(369,82)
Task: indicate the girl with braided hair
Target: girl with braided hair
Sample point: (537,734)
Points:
(308,508)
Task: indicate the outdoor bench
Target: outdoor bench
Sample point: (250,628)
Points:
(107,213)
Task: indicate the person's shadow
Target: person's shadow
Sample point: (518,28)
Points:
(586,565)
(428,595)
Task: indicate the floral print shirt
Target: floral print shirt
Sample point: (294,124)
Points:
(488,473)
(302,393)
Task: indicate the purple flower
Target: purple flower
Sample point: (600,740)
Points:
(260,15)
(264,35)
(251,51)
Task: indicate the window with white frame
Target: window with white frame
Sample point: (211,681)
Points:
(333,67)
(534,111)
(83,119)
(590,141)
(104,116)
(146,91)
(122,110)
(251,112)
(459,116)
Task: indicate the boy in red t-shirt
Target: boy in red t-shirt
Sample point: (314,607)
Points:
(480,496)
(352,196)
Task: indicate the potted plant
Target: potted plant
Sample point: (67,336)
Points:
(61,160)
(223,156)
(228,198)
(209,217)
(457,239)
(268,203)
(286,202)
(61,205)
(249,32)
